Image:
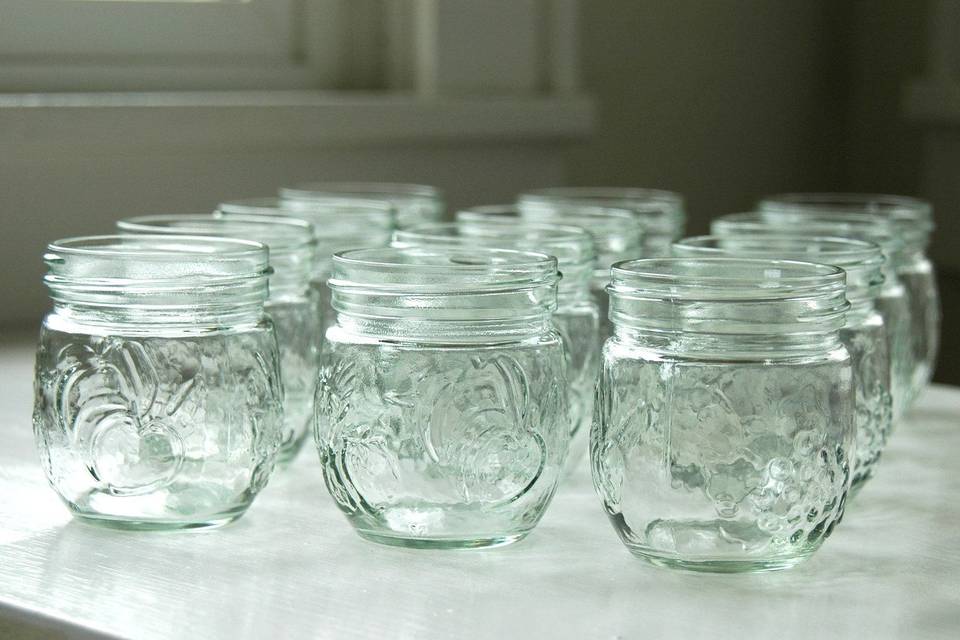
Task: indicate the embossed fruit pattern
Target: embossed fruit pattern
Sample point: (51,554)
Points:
(442,442)
(195,421)
(580,333)
(722,461)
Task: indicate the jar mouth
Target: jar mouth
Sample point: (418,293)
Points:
(660,211)
(372,190)
(203,275)
(720,279)
(861,260)
(901,209)
(290,241)
(859,226)
(616,232)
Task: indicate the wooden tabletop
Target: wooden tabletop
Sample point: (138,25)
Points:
(293,568)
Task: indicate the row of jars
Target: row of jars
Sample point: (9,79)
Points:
(738,385)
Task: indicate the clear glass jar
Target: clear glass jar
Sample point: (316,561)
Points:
(660,213)
(576,317)
(293,305)
(338,223)
(414,203)
(892,303)
(616,233)
(158,397)
(912,219)
(724,411)
(441,411)
(864,334)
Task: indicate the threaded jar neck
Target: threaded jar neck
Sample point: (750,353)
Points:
(616,233)
(862,261)
(291,243)
(571,246)
(137,283)
(728,307)
(339,223)
(444,295)
(413,203)
(660,212)
(856,226)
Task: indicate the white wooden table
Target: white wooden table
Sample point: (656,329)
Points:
(293,568)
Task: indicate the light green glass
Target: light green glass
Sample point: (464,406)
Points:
(892,303)
(912,219)
(414,203)
(158,397)
(339,224)
(293,305)
(576,317)
(660,213)
(616,233)
(725,411)
(864,334)
(442,419)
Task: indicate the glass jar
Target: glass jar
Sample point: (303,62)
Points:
(576,317)
(292,304)
(616,233)
(864,334)
(441,414)
(158,397)
(660,213)
(912,219)
(892,303)
(724,411)
(338,223)
(414,203)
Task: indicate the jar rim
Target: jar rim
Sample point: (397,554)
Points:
(281,234)
(898,207)
(571,245)
(841,251)
(863,225)
(318,211)
(372,190)
(657,208)
(158,246)
(746,278)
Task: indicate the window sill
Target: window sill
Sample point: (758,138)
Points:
(41,123)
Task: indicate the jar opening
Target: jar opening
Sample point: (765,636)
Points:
(660,212)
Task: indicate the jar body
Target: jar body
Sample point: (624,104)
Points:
(157,430)
(894,306)
(442,446)
(298,326)
(578,326)
(866,341)
(722,464)
(918,279)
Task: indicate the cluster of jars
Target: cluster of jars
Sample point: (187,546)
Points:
(733,389)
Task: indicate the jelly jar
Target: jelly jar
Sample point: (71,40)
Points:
(893,303)
(338,223)
(293,305)
(441,410)
(158,397)
(414,203)
(660,213)
(616,234)
(864,334)
(912,219)
(724,427)
(576,316)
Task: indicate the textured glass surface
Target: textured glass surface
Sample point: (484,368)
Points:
(722,466)
(578,327)
(158,431)
(866,342)
(894,306)
(924,301)
(458,446)
(297,322)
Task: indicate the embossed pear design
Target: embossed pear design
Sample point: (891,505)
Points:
(478,430)
(105,402)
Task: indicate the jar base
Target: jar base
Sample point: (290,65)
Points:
(441,543)
(720,566)
(112,522)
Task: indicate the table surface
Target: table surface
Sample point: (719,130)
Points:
(292,567)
